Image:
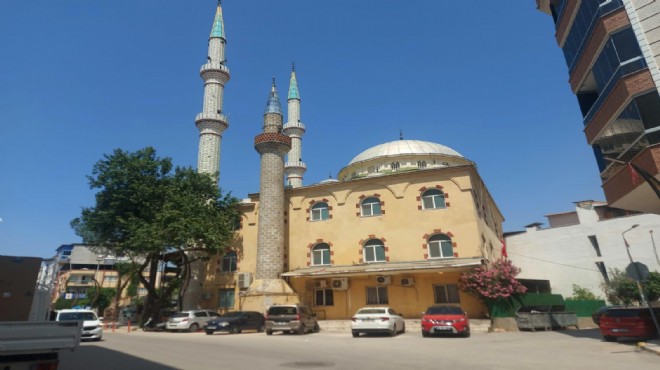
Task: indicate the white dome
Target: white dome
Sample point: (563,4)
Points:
(404,147)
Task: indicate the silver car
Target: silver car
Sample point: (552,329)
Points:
(191,320)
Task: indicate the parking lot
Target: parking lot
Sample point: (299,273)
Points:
(570,349)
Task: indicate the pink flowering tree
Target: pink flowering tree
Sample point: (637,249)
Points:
(493,283)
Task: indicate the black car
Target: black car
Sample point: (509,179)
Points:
(235,322)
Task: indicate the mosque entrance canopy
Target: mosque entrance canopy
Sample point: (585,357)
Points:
(445,265)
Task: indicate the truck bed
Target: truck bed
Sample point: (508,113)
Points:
(26,337)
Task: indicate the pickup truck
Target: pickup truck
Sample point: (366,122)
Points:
(35,345)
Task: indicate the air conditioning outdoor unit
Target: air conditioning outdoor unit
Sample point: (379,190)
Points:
(340,283)
(407,282)
(320,284)
(383,280)
(244,280)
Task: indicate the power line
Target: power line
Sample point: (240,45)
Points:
(555,263)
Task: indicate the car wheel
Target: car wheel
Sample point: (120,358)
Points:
(302,329)
(609,338)
(317,328)
(355,334)
(193,328)
(466,334)
(234,330)
(269,332)
(393,331)
(404,328)
(425,334)
(209,332)
(261,328)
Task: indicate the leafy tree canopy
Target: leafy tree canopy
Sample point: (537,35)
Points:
(623,290)
(145,208)
(497,281)
(582,294)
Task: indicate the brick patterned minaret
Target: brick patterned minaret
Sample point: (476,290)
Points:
(211,122)
(295,168)
(272,146)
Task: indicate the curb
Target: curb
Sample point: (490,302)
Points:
(644,347)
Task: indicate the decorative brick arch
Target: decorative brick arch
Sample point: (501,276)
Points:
(314,201)
(425,246)
(358,205)
(310,246)
(370,237)
(424,188)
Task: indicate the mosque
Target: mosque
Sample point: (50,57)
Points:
(397,227)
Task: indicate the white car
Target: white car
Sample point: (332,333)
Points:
(191,320)
(377,320)
(92,326)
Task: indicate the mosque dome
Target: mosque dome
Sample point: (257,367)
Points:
(400,155)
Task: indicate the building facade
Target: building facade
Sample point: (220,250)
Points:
(612,49)
(581,248)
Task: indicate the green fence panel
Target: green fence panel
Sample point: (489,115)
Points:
(584,308)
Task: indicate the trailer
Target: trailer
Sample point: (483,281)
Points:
(36,345)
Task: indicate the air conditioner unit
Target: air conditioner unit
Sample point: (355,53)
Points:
(244,280)
(340,283)
(320,284)
(407,282)
(383,280)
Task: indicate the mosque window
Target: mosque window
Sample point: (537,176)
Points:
(377,295)
(229,262)
(433,199)
(394,166)
(421,164)
(320,211)
(440,246)
(446,293)
(374,251)
(371,207)
(323,297)
(321,254)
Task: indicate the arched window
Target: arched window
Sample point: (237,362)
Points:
(433,199)
(229,262)
(440,246)
(394,166)
(421,164)
(320,211)
(321,254)
(374,251)
(371,207)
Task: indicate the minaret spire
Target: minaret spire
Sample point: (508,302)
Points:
(295,167)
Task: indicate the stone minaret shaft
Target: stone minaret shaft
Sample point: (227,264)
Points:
(295,168)
(211,122)
(272,146)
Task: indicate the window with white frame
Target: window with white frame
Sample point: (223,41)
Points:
(370,207)
(433,199)
(440,246)
(374,251)
(229,262)
(446,293)
(321,254)
(323,297)
(377,295)
(421,164)
(320,211)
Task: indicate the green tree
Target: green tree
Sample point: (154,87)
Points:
(620,289)
(146,209)
(652,286)
(582,294)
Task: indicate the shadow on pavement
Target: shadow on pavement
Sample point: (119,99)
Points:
(584,333)
(99,358)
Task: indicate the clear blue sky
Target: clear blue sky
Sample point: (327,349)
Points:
(79,78)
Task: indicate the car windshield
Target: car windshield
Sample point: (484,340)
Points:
(626,312)
(232,314)
(73,316)
(367,311)
(282,311)
(445,310)
(179,315)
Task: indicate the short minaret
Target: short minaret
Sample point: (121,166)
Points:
(295,168)
(211,122)
(268,288)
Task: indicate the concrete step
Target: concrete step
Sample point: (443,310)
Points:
(412,325)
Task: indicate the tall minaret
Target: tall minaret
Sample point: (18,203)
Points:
(268,288)
(295,167)
(211,122)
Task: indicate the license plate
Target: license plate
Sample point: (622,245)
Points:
(280,323)
(367,319)
(442,328)
(619,330)
(211,327)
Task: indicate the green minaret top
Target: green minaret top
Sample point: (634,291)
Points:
(218,24)
(293,84)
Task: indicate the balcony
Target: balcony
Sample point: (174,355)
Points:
(621,192)
(212,117)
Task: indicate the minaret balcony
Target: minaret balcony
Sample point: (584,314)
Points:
(212,117)
(297,164)
(294,125)
(211,69)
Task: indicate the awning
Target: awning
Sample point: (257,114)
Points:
(386,268)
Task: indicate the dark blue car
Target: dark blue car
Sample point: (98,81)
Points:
(236,322)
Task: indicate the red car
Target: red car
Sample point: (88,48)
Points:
(631,322)
(445,319)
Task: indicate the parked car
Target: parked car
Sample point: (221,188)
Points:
(235,322)
(190,321)
(630,322)
(445,319)
(377,320)
(599,312)
(291,318)
(92,326)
